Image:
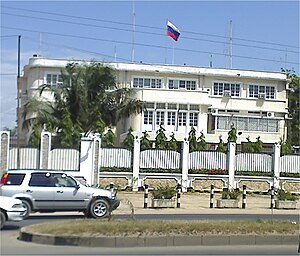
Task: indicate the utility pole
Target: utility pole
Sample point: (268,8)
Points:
(18,105)
(230,41)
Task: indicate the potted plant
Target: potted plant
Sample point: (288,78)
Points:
(229,199)
(163,197)
(285,200)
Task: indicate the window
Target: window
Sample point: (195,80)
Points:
(182,84)
(181,119)
(171,118)
(54,80)
(148,117)
(140,82)
(232,89)
(248,123)
(160,117)
(193,119)
(41,180)
(62,180)
(14,179)
(255,91)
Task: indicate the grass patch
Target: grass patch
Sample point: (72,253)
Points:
(92,227)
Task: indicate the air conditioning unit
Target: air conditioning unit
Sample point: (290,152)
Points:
(261,95)
(214,111)
(226,93)
(270,114)
(59,84)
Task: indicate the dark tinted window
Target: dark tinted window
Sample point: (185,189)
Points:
(14,179)
(41,180)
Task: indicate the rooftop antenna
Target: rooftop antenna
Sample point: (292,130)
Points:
(115,53)
(133,34)
(210,63)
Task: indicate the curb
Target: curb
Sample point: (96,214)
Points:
(148,241)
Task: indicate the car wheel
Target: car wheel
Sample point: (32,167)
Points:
(27,206)
(2,219)
(99,208)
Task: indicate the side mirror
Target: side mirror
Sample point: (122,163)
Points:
(77,186)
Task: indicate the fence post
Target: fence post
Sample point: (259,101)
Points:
(272,198)
(136,164)
(230,164)
(146,196)
(244,197)
(276,165)
(211,202)
(111,187)
(178,195)
(4,150)
(45,150)
(184,165)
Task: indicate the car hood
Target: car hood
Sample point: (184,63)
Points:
(98,192)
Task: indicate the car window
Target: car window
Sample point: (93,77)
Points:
(62,180)
(41,180)
(14,179)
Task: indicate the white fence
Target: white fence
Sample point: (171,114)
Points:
(29,158)
(253,162)
(165,159)
(64,159)
(290,164)
(115,157)
(207,160)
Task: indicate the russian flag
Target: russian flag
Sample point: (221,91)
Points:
(172,31)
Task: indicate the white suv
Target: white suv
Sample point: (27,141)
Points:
(50,191)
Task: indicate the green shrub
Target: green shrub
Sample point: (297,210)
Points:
(163,192)
(230,194)
(286,195)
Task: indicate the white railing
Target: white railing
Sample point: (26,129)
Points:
(29,158)
(157,158)
(115,157)
(253,162)
(290,164)
(64,159)
(207,160)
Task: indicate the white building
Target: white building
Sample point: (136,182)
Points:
(179,97)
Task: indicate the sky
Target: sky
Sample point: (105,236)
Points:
(251,35)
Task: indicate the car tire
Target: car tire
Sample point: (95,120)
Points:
(99,209)
(27,205)
(2,219)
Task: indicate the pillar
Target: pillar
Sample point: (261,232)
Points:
(184,165)
(136,164)
(276,165)
(45,150)
(4,150)
(230,164)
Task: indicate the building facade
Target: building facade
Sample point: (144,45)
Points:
(182,97)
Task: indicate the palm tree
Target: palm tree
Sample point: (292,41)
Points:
(88,101)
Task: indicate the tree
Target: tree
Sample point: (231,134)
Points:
(201,142)
(232,134)
(173,142)
(293,125)
(161,138)
(221,146)
(108,139)
(88,100)
(129,140)
(145,142)
(285,147)
(193,140)
(258,145)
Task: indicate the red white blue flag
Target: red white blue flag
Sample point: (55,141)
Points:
(172,31)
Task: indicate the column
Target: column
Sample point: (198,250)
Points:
(136,164)
(4,150)
(230,164)
(276,165)
(45,150)
(184,165)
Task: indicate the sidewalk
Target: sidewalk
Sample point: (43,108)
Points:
(199,203)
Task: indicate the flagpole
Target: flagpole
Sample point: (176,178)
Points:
(166,45)
(133,34)
(173,57)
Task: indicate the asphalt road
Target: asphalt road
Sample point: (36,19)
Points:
(10,245)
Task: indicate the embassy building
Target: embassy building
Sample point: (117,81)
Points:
(182,97)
